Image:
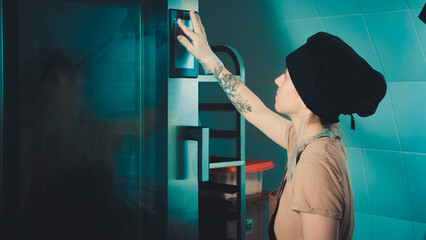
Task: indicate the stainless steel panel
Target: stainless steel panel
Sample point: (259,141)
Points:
(182,64)
(182,194)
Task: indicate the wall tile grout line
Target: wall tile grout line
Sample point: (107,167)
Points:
(417,34)
(386,150)
(319,14)
(344,15)
(402,155)
(380,215)
(359,139)
(393,111)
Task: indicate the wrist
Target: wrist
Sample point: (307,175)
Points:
(211,63)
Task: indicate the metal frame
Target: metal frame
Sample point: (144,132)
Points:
(238,134)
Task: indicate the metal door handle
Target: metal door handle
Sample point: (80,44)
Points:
(201,135)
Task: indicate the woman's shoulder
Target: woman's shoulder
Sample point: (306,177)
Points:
(326,146)
(329,152)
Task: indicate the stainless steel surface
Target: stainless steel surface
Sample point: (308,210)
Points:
(182,64)
(182,194)
(201,134)
(226,164)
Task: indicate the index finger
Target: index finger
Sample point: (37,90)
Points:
(186,29)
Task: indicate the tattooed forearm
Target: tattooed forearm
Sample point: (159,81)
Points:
(229,83)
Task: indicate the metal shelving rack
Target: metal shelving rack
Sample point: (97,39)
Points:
(239,135)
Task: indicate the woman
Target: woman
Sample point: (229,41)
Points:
(323,79)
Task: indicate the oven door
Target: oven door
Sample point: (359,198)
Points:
(84,108)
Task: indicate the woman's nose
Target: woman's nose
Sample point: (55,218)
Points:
(277,81)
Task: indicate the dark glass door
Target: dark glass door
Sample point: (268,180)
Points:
(85,106)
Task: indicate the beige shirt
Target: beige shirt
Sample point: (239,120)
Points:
(320,184)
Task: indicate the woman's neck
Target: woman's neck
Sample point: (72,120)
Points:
(303,130)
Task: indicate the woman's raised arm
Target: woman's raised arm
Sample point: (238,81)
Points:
(245,101)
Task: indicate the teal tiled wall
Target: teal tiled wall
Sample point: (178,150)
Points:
(387,151)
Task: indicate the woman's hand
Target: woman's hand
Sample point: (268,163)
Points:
(199,48)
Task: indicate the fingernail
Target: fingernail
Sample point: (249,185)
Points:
(179,37)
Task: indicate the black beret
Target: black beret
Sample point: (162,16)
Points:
(332,79)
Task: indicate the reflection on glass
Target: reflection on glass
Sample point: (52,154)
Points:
(85,119)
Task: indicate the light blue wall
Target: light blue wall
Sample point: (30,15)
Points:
(387,151)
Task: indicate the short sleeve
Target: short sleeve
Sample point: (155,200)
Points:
(315,190)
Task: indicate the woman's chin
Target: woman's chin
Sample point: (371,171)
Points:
(279,110)
(276,108)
